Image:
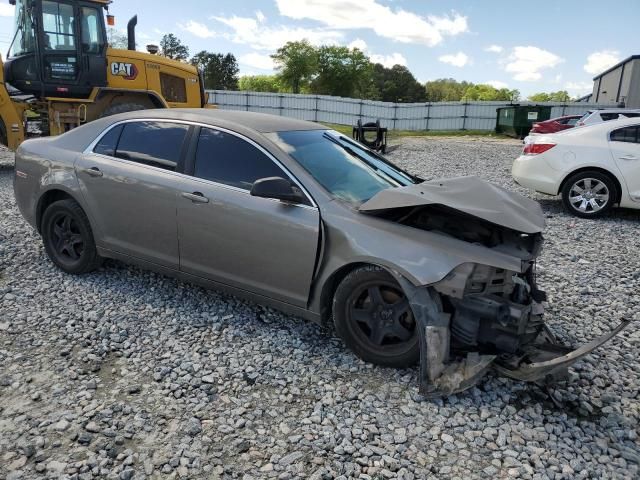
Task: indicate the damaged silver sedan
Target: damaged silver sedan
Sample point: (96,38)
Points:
(301,218)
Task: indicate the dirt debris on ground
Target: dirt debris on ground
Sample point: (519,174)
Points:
(126,374)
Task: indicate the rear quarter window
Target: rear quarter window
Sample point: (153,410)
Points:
(109,141)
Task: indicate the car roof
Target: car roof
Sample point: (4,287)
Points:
(260,122)
(250,124)
(608,125)
(616,110)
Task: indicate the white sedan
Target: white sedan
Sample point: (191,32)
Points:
(592,167)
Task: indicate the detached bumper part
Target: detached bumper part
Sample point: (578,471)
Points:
(545,360)
(441,374)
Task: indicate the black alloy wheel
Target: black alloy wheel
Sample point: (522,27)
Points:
(68,239)
(374,318)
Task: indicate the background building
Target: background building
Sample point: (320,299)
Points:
(619,84)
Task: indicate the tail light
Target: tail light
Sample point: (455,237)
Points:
(537,148)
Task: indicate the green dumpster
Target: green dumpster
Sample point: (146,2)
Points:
(517,120)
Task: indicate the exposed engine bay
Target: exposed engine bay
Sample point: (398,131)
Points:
(479,316)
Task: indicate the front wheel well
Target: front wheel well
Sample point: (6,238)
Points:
(594,169)
(47,199)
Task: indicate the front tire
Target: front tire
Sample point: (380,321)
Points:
(589,194)
(373,317)
(68,239)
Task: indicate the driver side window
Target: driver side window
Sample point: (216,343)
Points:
(225,158)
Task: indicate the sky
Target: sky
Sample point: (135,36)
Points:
(532,46)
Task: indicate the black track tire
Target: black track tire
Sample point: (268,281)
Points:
(604,178)
(4,138)
(405,356)
(122,108)
(89,259)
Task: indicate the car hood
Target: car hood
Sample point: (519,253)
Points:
(470,195)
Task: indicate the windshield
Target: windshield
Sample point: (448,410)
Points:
(344,168)
(24,38)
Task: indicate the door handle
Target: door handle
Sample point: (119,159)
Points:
(195,197)
(93,171)
(628,157)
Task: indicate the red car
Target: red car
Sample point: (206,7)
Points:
(555,124)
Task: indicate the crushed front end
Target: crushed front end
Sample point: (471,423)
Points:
(480,317)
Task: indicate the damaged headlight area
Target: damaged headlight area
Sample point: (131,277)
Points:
(480,317)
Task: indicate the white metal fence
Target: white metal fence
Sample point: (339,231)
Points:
(397,116)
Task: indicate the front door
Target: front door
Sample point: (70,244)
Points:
(129,184)
(624,144)
(264,246)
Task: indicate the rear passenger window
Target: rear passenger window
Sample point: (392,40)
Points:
(608,116)
(157,144)
(107,144)
(225,158)
(627,134)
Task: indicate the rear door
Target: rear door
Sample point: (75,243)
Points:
(129,183)
(624,144)
(257,244)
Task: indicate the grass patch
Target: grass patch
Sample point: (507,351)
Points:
(393,134)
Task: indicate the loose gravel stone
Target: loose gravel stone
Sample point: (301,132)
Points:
(124,373)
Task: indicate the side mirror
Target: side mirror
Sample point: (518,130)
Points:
(278,188)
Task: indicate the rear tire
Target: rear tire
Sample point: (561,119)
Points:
(374,319)
(68,239)
(589,194)
(122,108)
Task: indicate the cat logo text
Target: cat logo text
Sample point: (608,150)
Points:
(126,70)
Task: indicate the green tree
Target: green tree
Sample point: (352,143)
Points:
(483,92)
(446,90)
(342,72)
(260,83)
(117,39)
(220,71)
(296,63)
(396,84)
(559,96)
(172,47)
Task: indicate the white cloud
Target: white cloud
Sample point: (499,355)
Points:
(578,88)
(247,30)
(6,10)
(598,62)
(525,63)
(496,84)
(256,60)
(260,16)
(359,44)
(386,60)
(197,29)
(398,25)
(494,49)
(459,59)
(389,60)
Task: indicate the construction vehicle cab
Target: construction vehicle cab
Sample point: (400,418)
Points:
(61,72)
(59,48)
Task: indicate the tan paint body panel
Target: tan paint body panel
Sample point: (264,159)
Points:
(347,237)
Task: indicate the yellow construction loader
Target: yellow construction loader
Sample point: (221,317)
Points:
(61,73)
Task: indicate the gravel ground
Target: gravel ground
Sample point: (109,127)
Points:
(126,374)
